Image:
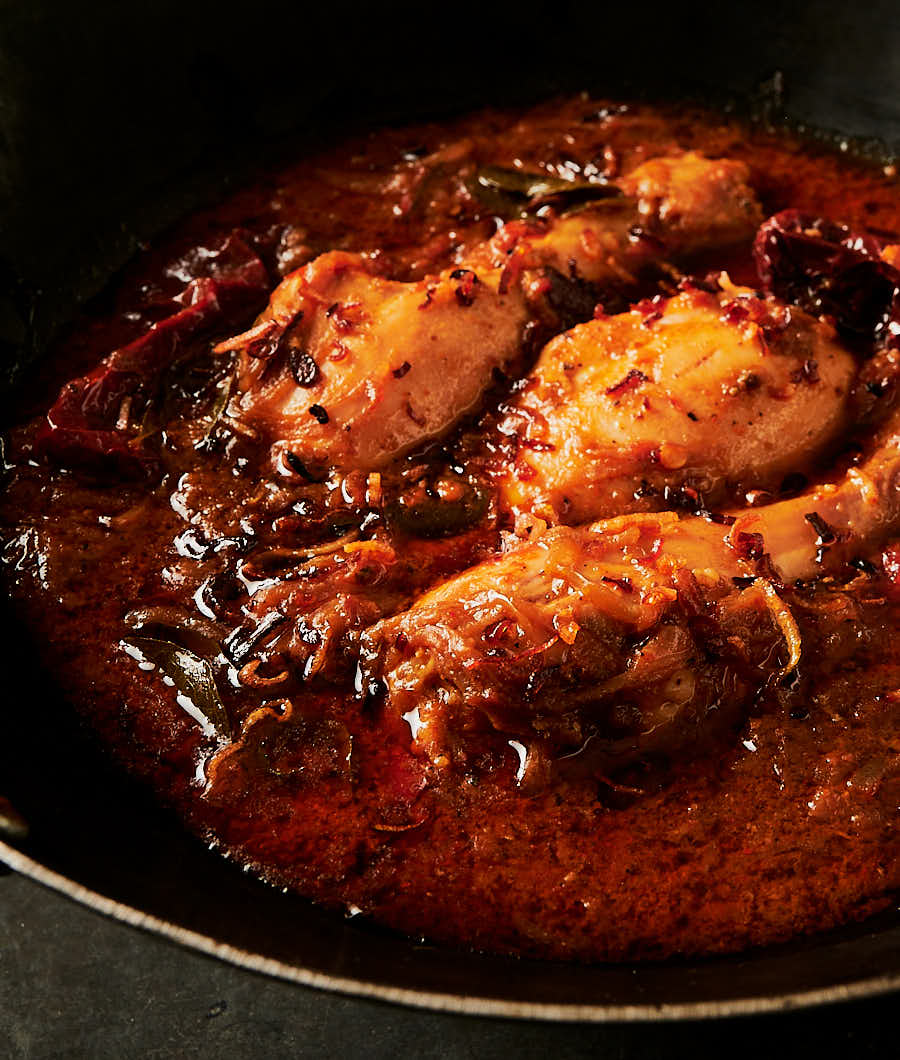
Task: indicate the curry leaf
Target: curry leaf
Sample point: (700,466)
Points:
(192,676)
(519,182)
(428,515)
(217,410)
(511,191)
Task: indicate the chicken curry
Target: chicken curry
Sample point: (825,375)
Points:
(492,528)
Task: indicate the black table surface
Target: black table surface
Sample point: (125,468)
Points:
(75,984)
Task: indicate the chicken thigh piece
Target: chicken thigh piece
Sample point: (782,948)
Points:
(347,369)
(672,208)
(692,202)
(701,389)
(836,522)
(642,633)
(630,633)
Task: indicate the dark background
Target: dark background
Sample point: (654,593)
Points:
(73,984)
(115,118)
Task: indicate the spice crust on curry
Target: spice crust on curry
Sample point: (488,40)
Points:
(494,528)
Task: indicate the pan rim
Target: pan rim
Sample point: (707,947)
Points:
(432,1000)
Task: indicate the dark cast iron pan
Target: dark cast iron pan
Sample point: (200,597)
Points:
(114,120)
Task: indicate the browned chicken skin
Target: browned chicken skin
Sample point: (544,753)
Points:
(630,632)
(373,366)
(671,207)
(837,521)
(347,369)
(691,202)
(711,390)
